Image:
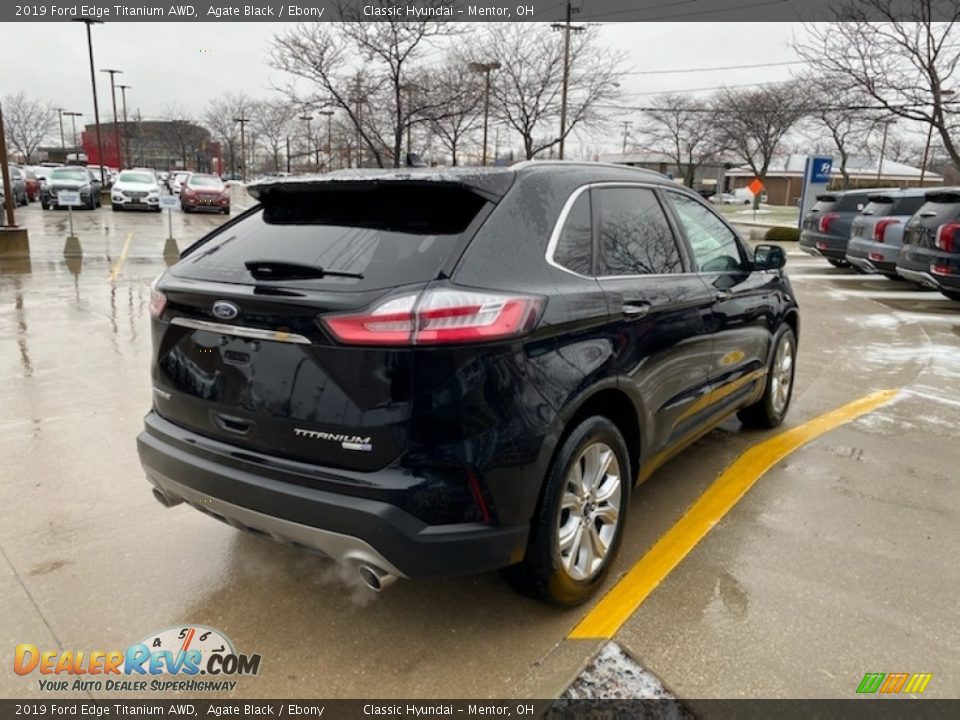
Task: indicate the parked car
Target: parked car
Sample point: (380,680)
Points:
(931,243)
(877,232)
(109,175)
(204,192)
(372,365)
(136,189)
(825,230)
(177,181)
(33,184)
(18,186)
(729,199)
(74,178)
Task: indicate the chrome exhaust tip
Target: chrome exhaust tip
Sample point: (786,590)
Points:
(375,578)
(167,502)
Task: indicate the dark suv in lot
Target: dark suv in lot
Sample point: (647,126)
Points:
(423,372)
(931,243)
(825,230)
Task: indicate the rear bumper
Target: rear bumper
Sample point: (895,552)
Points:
(873,256)
(828,246)
(208,475)
(933,268)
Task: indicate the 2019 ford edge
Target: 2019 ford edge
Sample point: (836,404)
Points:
(422,372)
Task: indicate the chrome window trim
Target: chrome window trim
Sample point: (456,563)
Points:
(561,221)
(241,331)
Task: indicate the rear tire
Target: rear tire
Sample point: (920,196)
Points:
(116,207)
(769,411)
(892,276)
(952,294)
(838,263)
(576,532)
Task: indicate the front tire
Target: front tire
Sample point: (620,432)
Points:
(769,411)
(579,523)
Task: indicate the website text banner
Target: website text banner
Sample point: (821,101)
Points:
(482,11)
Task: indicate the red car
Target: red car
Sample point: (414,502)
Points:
(204,192)
(33,184)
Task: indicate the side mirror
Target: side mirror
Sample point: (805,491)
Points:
(769,257)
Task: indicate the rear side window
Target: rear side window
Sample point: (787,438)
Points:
(392,236)
(635,237)
(574,249)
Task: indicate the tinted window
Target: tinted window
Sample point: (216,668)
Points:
(574,249)
(715,247)
(936,212)
(851,203)
(391,235)
(635,238)
(824,204)
(908,205)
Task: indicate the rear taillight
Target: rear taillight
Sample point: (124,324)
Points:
(158,301)
(826,220)
(881,227)
(948,237)
(938,269)
(437,317)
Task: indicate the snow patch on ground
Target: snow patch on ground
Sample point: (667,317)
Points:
(614,675)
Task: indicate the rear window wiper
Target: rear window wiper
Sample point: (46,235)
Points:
(278,270)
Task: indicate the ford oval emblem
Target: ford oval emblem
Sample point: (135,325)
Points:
(225,310)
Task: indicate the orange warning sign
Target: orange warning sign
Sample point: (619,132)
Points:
(755,186)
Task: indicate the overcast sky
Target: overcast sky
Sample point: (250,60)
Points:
(186,64)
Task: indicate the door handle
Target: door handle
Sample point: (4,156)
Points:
(236,425)
(635,311)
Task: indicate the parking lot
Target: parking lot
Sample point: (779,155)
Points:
(839,561)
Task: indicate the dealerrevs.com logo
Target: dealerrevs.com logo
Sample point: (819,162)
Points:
(182,652)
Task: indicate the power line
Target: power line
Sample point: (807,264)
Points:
(712,69)
(715,87)
(745,6)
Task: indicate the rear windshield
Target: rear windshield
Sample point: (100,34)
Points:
(391,235)
(850,203)
(935,213)
(878,206)
(824,205)
(908,205)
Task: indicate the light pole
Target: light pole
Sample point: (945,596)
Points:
(73,123)
(243,147)
(567,28)
(116,124)
(307,119)
(329,114)
(486,69)
(126,128)
(883,146)
(63,145)
(5,176)
(88,21)
(626,130)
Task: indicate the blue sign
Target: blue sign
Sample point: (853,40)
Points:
(820,168)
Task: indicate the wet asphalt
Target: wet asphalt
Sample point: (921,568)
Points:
(840,561)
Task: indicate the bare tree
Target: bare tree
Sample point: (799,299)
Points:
(324,56)
(753,122)
(221,119)
(181,134)
(27,123)
(272,121)
(456,103)
(527,90)
(682,127)
(904,56)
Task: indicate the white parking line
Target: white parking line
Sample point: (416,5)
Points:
(920,295)
(853,278)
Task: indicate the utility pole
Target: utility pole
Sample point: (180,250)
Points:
(73,123)
(63,145)
(329,114)
(5,174)
(307,119)
(883,146)
(359,139)
(288,153)
(116,124)
(486,69)
(126,128)
(567,28)
(243,146)
(926,148)
(626,129)
(93,82)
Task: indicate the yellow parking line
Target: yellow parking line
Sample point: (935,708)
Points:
(118,265)
(628,594)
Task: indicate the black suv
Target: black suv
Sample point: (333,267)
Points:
(931,243)
(424,372)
